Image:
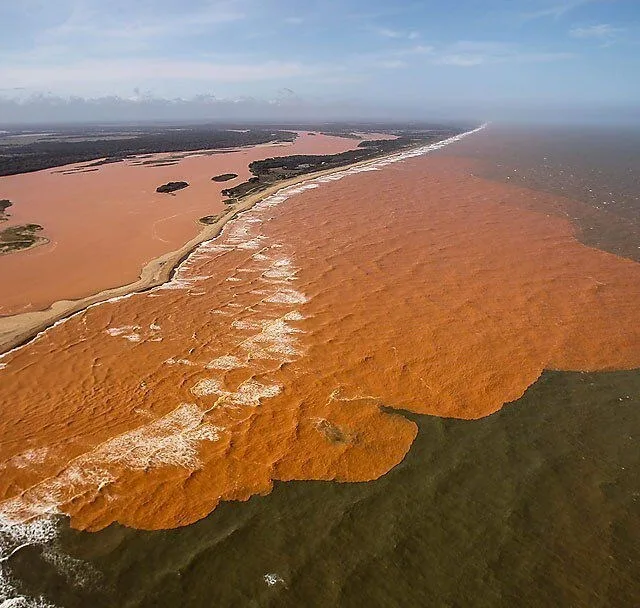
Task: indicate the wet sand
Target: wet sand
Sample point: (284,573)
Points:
(271,354)
(105,225)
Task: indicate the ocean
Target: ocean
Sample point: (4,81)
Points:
(417,385)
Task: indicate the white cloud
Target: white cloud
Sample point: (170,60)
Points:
(135,25)
(395,34)
(470,54)
(419,49)
(463,61)
(390,64)
(461,54)
(100,75)
(601,32)
(554,11)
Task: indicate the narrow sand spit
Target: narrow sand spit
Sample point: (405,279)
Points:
(271,352)
(104,225)
(83,261)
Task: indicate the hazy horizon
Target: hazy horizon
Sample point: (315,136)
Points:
(204,60)
(54,110)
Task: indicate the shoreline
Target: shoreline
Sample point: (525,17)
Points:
(18,330)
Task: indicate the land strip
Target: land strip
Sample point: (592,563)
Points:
(19,329)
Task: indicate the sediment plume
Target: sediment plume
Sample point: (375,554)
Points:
(280,350)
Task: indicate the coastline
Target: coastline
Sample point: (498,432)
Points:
(18,330)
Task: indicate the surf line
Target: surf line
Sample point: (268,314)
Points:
(273,198)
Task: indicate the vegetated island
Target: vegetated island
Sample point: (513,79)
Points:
(224,177)
(4,205)
(270,171)
(171,187)
(16,238)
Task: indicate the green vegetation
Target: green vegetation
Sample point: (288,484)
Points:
(16,238)
(270,171)
(224,177)
(171,187)
(112,146)
(345,134)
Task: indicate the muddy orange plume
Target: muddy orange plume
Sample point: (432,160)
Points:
(281,350)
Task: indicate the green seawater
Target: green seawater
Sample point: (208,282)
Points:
(537,505)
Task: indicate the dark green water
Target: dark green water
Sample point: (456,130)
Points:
(537,505)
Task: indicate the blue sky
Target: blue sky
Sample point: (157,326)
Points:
(396,54)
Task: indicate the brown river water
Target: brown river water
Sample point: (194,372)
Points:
(297,346)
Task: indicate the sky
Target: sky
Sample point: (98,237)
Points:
(321,58)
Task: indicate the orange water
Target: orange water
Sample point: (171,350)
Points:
(269,356)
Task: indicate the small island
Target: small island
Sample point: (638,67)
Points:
(171,187)
(210,219)
(225,177)
(4,205)
(16,238)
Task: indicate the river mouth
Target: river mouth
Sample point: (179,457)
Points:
(293,348)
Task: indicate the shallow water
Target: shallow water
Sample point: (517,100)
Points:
(418,287)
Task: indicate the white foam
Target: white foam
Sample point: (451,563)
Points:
(29,458)
(128,332)
(171,440)
(280,270)
(226,362)
(244,324)
(14,537)
(172,361)
(251,244)
(287,296)
(272,579)
(207,387)
(119,331)
(276,340)
(249,393)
